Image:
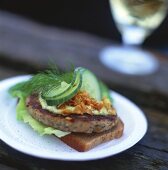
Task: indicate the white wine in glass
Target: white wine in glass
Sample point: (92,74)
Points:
(135,19)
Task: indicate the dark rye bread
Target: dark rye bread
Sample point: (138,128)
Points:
(84,142)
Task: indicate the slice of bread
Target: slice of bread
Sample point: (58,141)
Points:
(84,142)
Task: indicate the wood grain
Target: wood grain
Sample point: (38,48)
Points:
(5,167)
(7,73)
(157,136)
(150,153)
(139,157)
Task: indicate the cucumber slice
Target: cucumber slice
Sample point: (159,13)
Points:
(69,92)
(91,84)
(61,88)
(104,91)
(56,90)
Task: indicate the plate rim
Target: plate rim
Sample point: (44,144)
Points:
(80,156)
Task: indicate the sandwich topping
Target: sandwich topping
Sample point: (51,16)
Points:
(81,103)
(60,103)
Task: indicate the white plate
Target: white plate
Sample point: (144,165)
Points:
(21,137)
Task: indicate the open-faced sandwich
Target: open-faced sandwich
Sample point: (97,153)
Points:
(74,106)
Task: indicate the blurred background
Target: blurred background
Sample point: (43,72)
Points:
(93,17)
(32,32)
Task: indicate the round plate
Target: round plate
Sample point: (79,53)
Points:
(20,136)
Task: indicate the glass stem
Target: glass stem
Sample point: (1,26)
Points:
(133,36)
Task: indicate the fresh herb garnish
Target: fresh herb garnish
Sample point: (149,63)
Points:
(43,81)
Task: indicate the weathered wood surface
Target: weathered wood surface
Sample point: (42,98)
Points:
(4,167)
(7,72)
(25,47)
(139,157)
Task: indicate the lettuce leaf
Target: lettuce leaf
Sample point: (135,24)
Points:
(23,115)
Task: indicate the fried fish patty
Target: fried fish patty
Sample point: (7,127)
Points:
(84,123)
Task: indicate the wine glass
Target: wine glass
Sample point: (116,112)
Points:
(135,19)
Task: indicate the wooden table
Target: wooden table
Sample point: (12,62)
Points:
(26,47)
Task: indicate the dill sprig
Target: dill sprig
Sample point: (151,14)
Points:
(43,81)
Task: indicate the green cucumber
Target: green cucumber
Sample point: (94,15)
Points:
(83,80)
(91,84)
(104,91)
(69,92)
(59,90)
(56,90)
